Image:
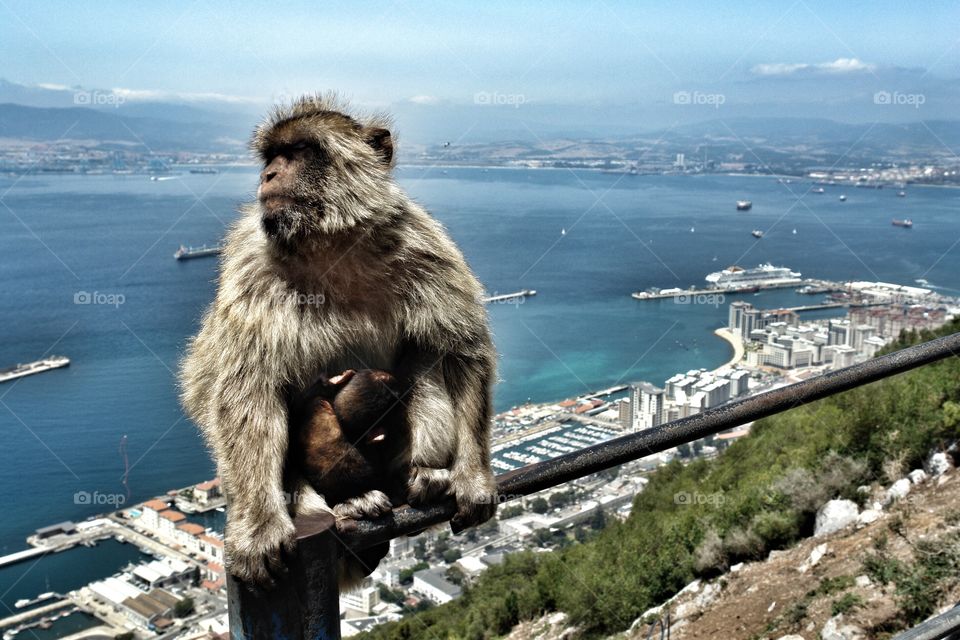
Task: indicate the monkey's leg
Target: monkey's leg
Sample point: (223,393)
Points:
(430,416)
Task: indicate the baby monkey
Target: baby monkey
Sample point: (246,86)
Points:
(351,430)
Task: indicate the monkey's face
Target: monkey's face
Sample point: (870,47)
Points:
(323,173)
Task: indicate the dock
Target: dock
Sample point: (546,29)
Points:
(516,296)
(21,618)
(26,554)
(682,293)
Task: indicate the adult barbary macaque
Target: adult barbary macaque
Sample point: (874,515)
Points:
(334,268)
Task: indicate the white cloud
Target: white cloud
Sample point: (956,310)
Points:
(53,87)
(148,95)
(838,66)
(424,100)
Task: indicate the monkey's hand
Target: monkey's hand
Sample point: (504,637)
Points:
(476,494)
(255,551)
(372,504)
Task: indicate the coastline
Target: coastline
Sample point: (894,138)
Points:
(735,342)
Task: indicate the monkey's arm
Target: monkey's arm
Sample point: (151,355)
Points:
(233,394)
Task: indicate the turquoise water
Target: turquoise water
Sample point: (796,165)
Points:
(116,236)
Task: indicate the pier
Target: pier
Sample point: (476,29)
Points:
(21,618)
(516,296)
(686,293)
(26,554)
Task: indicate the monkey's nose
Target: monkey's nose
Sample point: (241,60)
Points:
(267,175)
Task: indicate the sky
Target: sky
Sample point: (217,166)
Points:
(626,61)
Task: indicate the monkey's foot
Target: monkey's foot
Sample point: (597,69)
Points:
(427,485)
(372,504)
(476,495)
(255,554)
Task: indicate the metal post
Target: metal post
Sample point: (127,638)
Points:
(304,604)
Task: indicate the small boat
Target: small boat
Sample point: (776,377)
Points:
(901,194)
(692,229)
(922,281)
(817,190)
(906,223)
(563,231)
(794,232)
(843,198)
(744,205)
(756,233)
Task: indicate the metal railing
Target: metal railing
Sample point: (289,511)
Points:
(305,604)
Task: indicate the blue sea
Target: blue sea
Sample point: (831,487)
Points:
(110,425)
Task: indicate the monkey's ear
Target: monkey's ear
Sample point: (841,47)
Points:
(382,142)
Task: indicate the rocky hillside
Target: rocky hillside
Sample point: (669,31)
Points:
(862,574)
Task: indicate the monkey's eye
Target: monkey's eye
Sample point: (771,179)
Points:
(299,146)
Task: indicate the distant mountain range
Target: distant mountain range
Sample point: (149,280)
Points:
(210,124)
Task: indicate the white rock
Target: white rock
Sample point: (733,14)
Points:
(818,552)
(938,464)
(864,489)
(863,581)
(709,594)
(897,491)
(835,515)
(876,506)
(557,618)
(693,587)
(684,610)
(771,607)
(776,553)
(792,636)
(834,629)
(868,515)
(917,476)
(943,480)
(736,567)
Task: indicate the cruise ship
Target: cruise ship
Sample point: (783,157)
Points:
(764,275)
(185,253)
(23,370)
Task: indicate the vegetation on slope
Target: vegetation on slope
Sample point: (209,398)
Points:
(760,494)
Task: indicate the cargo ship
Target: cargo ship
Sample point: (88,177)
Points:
(204,170)
(763,275)
(186,253)
(744,205)
(23,370)
(907,223)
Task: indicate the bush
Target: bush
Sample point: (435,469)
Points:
(710,557)
(848,602)
(742,544)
